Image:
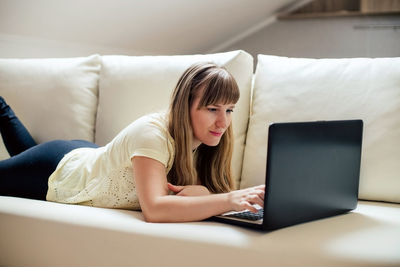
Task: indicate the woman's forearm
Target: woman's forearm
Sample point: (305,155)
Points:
(174,208)
(192,202)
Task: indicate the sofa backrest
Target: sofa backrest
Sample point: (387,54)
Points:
(94,98)
(54,98)
(132,86)
(296,89)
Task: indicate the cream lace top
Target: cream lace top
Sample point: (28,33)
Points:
(103,177)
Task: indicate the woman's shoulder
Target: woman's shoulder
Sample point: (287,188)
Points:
(147,127)
(152,120)
(150,133)
(156,116)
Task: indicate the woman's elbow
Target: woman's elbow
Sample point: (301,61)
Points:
(154,215)
(150,218)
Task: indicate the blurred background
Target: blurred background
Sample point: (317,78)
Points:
(302,28)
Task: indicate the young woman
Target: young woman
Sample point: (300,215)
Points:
(174,167)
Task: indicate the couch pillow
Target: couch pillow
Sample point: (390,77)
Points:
(297,89)
(132,86)
(54,98)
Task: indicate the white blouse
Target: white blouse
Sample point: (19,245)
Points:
(103,177)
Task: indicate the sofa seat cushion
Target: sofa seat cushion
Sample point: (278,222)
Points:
(303,89)
(39,233)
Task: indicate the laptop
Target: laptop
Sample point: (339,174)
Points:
(313,171)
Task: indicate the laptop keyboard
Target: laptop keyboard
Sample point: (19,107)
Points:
(248,215)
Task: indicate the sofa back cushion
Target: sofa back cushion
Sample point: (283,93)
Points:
(54,98)
(132,86)
(295,89)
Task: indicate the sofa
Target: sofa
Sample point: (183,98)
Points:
(94,97)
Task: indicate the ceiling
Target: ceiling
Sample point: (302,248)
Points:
(147,26)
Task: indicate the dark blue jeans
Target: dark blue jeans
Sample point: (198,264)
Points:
(26,173)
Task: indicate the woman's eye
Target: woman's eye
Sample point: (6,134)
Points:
(212,109)
(229,111)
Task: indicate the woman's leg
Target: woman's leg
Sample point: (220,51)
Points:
(16,137)
(26,174)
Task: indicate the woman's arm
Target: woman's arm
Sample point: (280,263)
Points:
(189,190)
(158,206)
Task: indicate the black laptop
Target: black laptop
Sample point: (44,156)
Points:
(313,171)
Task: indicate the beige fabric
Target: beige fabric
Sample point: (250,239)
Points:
(133,86)
(295,89)
(68,235)
(103,177)
(54,98)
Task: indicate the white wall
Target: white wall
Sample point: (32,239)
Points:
(317,38)
(326,38)
(17,46)
(62,28)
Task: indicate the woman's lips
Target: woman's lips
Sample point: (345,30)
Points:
(217,134)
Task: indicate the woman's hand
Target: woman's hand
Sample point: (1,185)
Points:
(189,190)
(246,198)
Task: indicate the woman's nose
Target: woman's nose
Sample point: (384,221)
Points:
(222,121)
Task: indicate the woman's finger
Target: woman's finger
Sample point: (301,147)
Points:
(260,187)
(260,194)
(175,188)
(255,199)
(248,206)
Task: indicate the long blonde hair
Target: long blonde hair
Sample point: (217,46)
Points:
(210,164)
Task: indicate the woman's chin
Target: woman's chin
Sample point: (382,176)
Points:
(212,143)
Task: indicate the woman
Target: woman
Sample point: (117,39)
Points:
(187,152)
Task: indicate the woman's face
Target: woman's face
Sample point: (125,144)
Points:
(209,123)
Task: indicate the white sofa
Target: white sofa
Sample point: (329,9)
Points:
(94,97)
